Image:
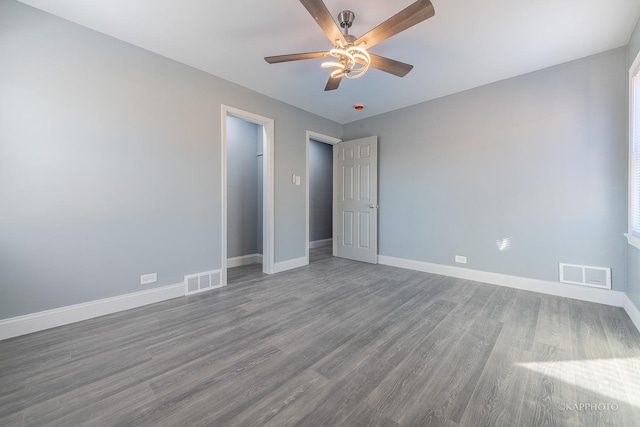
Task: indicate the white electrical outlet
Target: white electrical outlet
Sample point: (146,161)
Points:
(461,259)
(297,179)
(145,279)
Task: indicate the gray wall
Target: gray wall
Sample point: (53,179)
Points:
(633,254)
(540,159)
(634,44)
(320,191)
(242,187)
(110,165)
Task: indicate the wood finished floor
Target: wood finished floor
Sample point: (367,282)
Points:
(337,343)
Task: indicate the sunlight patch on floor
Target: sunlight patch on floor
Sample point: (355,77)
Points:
(615,378)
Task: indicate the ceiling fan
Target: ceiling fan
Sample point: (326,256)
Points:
(351,59)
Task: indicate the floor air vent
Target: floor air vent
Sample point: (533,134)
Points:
(597,277)
(200,282)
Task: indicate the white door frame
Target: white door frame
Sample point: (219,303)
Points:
(331,141)
(267,187)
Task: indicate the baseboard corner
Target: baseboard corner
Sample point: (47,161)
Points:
(632,310)
(239,261)
(290,264)
(320,243)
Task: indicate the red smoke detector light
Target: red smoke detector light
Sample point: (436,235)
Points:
(358,107)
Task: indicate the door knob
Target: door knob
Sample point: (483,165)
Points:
(372,206)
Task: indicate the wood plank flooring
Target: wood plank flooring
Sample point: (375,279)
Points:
(337,343)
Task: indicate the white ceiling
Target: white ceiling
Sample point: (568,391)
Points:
(468,43)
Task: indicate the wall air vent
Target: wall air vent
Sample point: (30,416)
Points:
(597,277)
(200,282)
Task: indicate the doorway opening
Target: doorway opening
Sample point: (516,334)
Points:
(247,191)
(321,196)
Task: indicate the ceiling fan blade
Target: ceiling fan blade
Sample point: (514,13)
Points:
(333,83)
(390,66)
(321,14)
(406,18)
(294,57)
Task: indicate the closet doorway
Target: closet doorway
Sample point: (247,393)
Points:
(321,196)
(247,190)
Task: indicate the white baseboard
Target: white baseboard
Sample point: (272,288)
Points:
(290,264)
(244,260)
(632,310)
(35,322)
(320,243)
(601,296)
(42,320)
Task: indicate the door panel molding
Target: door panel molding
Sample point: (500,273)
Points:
(356,163)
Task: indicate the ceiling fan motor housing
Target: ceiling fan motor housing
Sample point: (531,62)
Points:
(345,18)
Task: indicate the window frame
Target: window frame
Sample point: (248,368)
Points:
(633,183)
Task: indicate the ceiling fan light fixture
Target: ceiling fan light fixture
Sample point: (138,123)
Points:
(343,54)
(353,61)
(338,72)
(332,64)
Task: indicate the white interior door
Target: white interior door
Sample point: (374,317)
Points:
(356,213)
